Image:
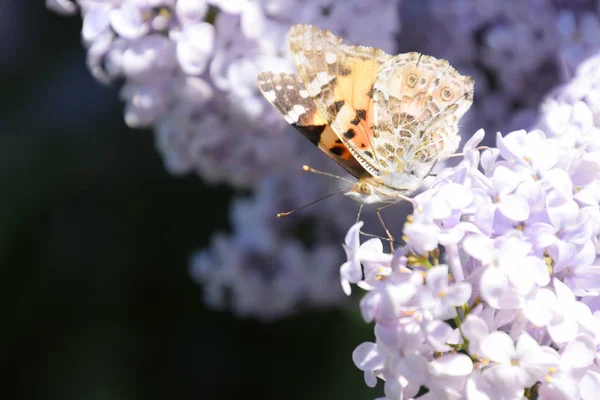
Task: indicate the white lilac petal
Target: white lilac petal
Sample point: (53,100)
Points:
(498,347)
(437,279)
(484,218)
(191,11)
(561,210)
(475,329)
(437,334)
(230,6)
(496,290)
(438,208)
(472,143)
(414,367)
(369,304)
(583,280)
(590,384)
(253,21)
(457,196)
(405,335)
(457,233)
(452,365)
(563,327)
(506,375)
(394,300)
(350,272)
(589,195)
(543,155)
(195,49)
(558,388)
(533,193)
(514,207)
(458,294)
(368,359)
(352,239)
(149,59)
(505,181)
(128,22)
(538,308)
(528,272)
(477,387)
(95,23)
(488,160)
(587,170)
(512,145)
(422,237)
(543,235)
(64,7)
(101,67)
(579,352)
(479,247)
(560,181)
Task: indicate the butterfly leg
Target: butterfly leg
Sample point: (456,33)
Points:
(389,235)
(359,212)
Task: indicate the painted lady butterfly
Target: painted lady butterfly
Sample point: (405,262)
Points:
(385,119)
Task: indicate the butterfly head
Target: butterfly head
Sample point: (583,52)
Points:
(386,189)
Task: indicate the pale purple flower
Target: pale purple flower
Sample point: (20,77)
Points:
(439,297)
(563,382)
(65,7)
(516,365)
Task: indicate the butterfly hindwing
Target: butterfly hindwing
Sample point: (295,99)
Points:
(340,79)
(418,101)
(287,93)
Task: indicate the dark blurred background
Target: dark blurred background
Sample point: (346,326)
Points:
(95,239)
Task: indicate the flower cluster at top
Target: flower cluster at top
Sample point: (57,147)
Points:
(496,292)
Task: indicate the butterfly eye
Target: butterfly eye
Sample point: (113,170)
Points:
(446,94)
(411,80)
(365,189)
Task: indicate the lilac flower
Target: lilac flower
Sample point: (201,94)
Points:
(519,364)
(565,381)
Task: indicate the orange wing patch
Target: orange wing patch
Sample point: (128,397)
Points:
(340,79)
(286,92)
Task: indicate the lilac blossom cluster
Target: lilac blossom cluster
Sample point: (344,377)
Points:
(495,294)
(266,270)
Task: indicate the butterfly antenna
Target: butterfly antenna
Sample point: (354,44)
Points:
(285,214)
(316,171)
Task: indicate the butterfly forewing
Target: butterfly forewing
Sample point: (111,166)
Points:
(287,93)
(340,79)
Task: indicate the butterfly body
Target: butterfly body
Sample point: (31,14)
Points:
(385,119)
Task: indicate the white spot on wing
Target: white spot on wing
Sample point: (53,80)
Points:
(270,95)
(314,86)
(330,58)
(303,93)
(299,109)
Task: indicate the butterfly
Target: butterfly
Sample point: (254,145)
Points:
(386,119)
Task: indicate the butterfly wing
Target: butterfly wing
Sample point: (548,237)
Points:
(418,101)
(287,93)
(340,80)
